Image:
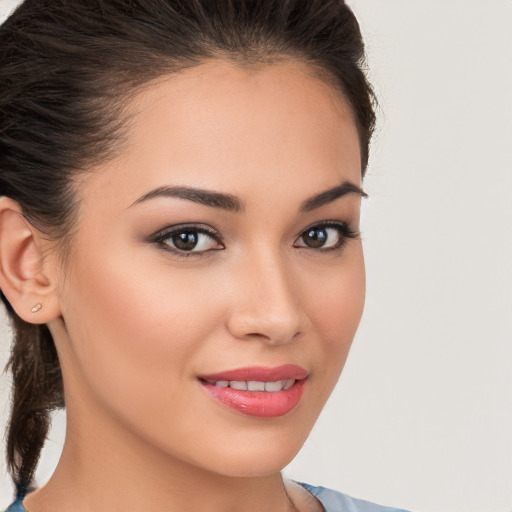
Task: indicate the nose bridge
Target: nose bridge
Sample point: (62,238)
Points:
(267,302)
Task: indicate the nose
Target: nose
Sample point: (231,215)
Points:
(267,304)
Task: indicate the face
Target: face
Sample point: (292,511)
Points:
(207,254)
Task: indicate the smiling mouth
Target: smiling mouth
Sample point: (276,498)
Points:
(258,391)
(255,385)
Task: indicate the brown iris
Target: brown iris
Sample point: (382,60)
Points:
(186,240)
(315,237)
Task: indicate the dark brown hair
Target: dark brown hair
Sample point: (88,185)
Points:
(67,68)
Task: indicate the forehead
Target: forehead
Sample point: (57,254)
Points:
(218,125)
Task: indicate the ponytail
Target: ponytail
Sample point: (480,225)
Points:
(37,390)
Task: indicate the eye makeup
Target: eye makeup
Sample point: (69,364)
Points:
(198,240)
(318,236)
(183,240)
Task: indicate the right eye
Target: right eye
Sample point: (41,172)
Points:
(188,240)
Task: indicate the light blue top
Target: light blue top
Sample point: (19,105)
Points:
(332,501)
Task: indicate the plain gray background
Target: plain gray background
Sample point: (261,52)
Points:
(422,417)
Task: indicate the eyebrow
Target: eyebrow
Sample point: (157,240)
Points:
(231,203)
(197,195)
(328,196)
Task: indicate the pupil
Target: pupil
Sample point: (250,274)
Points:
(185,241)
(316,237)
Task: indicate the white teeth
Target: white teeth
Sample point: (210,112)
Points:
(274,386)
(238,384)
(289,383)
(254,385)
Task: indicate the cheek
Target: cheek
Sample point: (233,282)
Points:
(337,300)
(134,327)
(336,304)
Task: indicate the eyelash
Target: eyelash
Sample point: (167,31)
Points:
(344,230)
(184,228)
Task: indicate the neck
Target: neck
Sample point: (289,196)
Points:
(105,467)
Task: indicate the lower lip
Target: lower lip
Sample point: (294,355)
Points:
(260,404)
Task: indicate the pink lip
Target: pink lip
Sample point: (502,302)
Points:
(260,373)
(261,404)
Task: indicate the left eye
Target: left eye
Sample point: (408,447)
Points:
(189,240)
(324,237)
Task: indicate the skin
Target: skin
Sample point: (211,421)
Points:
(135,324)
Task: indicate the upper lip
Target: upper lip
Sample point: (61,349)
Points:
(259,373)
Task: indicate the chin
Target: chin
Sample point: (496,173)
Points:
(259,465)
(255,459)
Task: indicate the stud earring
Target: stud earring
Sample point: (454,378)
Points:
(37,307)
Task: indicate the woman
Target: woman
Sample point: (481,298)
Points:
(179,247)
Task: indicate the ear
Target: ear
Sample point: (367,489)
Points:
(25,275)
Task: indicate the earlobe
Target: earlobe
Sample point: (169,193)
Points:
(23,279)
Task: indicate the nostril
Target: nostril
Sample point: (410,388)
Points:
(267,330)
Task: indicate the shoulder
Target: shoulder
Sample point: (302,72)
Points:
(17,506)
(334,501)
